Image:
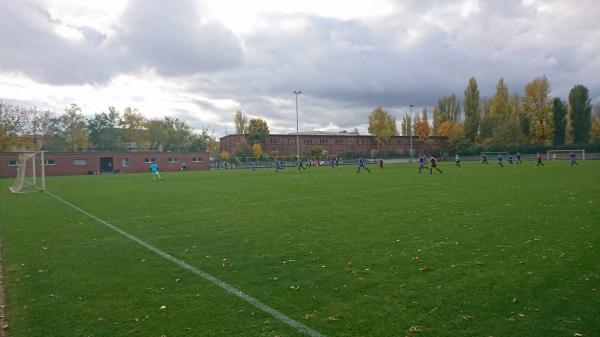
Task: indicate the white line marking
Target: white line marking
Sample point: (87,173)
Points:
(227,287)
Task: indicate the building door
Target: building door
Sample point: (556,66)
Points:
(106,164)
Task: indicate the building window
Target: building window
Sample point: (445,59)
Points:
(50,162)
(13,163)
(149,160)
(79,162)
(125,162)
(172,160)
(197,160)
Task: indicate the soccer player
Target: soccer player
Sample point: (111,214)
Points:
(362,164)
(500,159)
(253,165)
(300,164)
(332,163)
(433,162)
(573,159)
(381,163)
(155,172)
(539,160)
(510,159)
(422,160)
(278,165)
(519,158)
(484,159)
(457,160)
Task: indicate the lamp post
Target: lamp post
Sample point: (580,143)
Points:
(411,131)
(297,92)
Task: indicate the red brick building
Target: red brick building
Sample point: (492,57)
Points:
(335,144)
(74,163)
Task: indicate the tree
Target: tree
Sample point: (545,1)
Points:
(243,151)
(581,114)
(422,128)
(406,124)
(538,108)
(595,132)
(500,105)
(257,131)
(472,110)
(104,131)
(134,130)
(13,121)
(157,134)
(178,135)
(522,118)
(200,142)
(241,123)
(382,126)
(455,133)
(257,150)
(446,109)
(559,112)
(74,129)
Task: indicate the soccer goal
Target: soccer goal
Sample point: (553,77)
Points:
(565,154)
(30,173)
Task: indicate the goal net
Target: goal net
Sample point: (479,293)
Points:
(30,173)
(565,154)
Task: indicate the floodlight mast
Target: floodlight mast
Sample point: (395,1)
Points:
(297,92)
(411,131)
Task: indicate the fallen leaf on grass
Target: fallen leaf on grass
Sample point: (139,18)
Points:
(332,318)
(514,300)
(467,317)
(414,329)
(163,307)
(310,315)
(577,334)
(424,269)
(293,287)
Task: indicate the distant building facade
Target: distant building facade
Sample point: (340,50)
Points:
(74,163)
(335,144)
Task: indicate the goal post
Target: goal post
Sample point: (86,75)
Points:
(565,154)
(31,174)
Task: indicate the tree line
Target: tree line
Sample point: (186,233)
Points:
(533,120)
(27,128)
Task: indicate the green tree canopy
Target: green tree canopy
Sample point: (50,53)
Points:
(472,110)
(581,114)
(258,130)
(560,112)
(382,126)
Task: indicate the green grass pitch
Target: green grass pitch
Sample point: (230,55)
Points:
(475,251)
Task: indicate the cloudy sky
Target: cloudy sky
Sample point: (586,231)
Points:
(203,60)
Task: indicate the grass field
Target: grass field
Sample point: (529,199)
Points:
(475,251)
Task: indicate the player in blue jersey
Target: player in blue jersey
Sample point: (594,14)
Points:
(422,160)
(155,171)
(573,159)
(433,165)
(457,160)
(362,164)
(510,158)
(253,165)
(278,165)
(500,159)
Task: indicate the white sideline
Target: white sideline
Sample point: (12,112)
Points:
(227,287)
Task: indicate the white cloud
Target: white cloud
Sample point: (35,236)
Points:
(202,60)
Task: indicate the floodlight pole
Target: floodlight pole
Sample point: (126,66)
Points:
(411,131)
(297,92)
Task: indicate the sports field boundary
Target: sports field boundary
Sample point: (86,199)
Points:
(225,286)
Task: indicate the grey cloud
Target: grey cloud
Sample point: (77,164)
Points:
(169,37)
(174,39)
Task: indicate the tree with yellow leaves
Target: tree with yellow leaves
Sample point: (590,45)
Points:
(257,149)
(382,126)
(538,107)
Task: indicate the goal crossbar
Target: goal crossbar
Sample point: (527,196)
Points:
(564,154)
